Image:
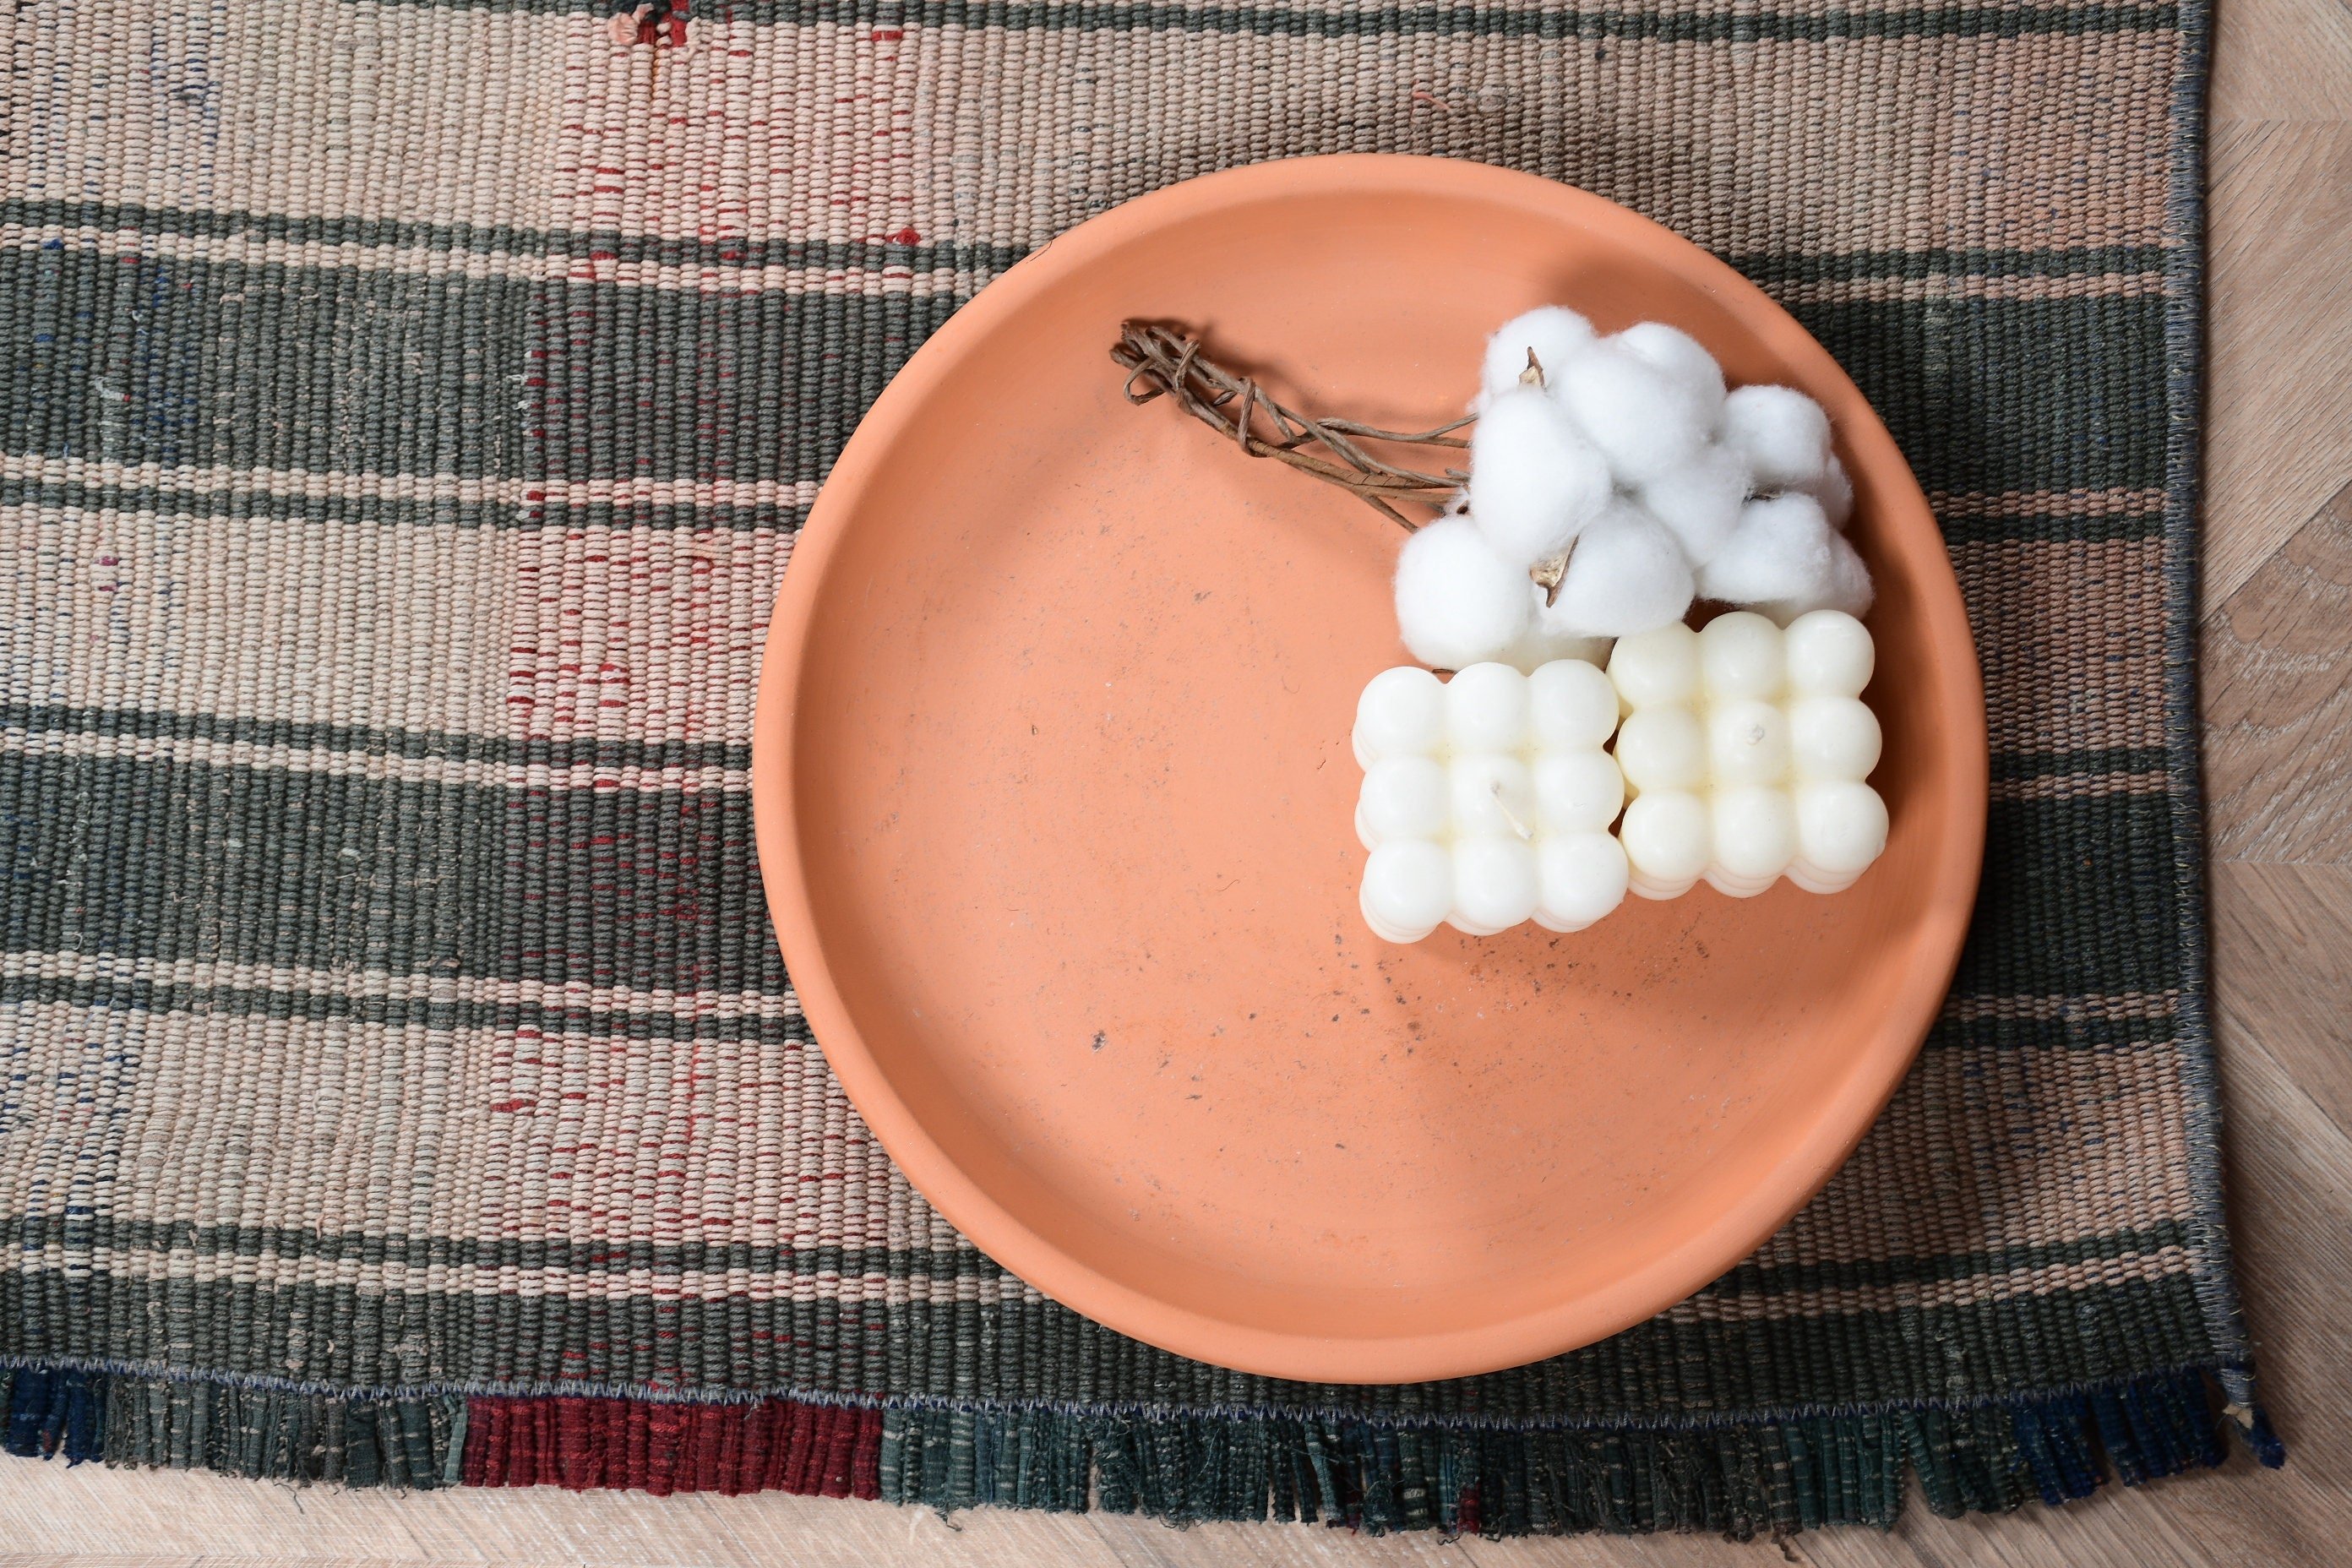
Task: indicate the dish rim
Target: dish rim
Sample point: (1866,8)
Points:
(1671,1276)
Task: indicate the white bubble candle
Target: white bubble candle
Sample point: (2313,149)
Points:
(1745,750)
(1486,799)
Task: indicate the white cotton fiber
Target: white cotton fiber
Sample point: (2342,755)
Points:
(1699,502)
(1457,602)
(1534,481)
(1627,575)
(1783,434)
(1553,334)
(1850,587)
(1780,552)
(1844,586)
(1683,360)
(1834,491)
(1537,647)
(1645,422)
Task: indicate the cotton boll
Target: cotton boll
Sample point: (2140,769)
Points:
(1401,714)
(1553,334)
(1780,550)
(1847,588)
(1645,422)
(1457,602)
(1627,575)
(1683,360)
(1834,491)
(1537,647)
(1582,877)
(1486,709)
(1783,434)
(1534,481)
(1531,649)
(1407,889)
(1593,651)
(1830,654)
(1656,668)
(1571,706)
(1699,502)
(1851,589)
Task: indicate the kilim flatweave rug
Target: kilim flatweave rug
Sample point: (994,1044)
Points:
(408,410)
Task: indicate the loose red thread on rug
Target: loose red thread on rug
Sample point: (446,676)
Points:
(775,1444)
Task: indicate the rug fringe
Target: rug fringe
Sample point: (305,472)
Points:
(53,1412)
(1745,1481)
(1742,1480)
(770,1444)
(261,1433)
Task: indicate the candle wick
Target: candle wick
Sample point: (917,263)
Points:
(1521,828)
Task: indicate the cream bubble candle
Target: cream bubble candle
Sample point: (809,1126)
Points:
(1745,750)
(1486,799)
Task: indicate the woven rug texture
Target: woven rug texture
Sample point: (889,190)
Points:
(408,409)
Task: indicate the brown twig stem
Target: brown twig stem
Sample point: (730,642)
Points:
(1162,359)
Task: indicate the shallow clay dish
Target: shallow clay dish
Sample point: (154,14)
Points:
(1054,806)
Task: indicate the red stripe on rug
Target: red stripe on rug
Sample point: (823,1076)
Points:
(776,1445)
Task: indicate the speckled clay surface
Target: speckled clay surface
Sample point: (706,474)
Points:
(1055,811)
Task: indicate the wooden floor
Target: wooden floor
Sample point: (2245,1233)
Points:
(2278,640)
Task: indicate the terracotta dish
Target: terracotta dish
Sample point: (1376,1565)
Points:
(1055,804)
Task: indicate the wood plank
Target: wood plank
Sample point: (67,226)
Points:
(2279,432)
(2278,699)
(2289,1156)
(92,1512)
(2138,1528)
(2282,60)
(90,1515)
(2283,964)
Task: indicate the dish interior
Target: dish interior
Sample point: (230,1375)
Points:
(1072,802)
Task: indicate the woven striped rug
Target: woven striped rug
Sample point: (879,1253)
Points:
(408,410)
